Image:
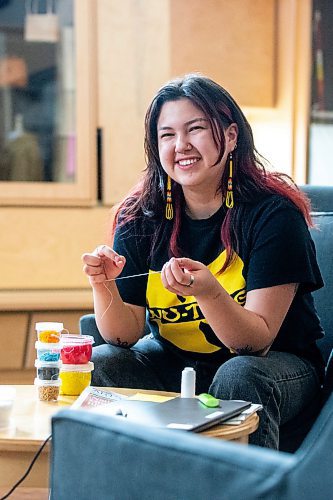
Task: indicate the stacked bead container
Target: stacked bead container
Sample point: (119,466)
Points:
(49,332)
(48,352)
(48,363)
(76,349)
(47,370)
(76,368)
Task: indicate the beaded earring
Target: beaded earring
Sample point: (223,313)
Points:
(169,207)
(229,201)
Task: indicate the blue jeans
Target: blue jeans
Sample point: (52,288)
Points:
(282,383)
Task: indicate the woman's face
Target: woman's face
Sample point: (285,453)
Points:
(186,146)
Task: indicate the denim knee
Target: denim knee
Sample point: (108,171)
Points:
(241,377)
(124,367)
(107,352)
(244,377)
(110,362)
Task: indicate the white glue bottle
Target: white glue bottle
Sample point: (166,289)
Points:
(188,383)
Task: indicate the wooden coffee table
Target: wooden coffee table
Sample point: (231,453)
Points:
(32,424)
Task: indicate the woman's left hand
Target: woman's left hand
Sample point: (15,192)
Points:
(184,276)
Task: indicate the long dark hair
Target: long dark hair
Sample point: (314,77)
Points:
(251,179)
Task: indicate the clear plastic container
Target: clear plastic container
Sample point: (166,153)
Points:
(48,351)
(7,399)
(48,390)
(49,332)
(75,378)
(47,370)
(76,349)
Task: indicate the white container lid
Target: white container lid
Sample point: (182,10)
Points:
(47,364)
(55,382)
(7,398)
(48,346)
(58,327)
(72,339)
(87,367)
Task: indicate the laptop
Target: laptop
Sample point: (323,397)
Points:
(187,414)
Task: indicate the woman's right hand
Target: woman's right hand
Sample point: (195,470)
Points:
(102,264)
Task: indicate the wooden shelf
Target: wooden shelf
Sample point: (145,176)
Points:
(45,300)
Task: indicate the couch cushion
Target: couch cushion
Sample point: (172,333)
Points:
(321,197)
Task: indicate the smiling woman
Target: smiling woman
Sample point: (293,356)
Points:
(227,300)
(189,154)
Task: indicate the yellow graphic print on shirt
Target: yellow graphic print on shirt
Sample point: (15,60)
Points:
(180,320)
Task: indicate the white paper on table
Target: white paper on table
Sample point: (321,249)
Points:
(244,415)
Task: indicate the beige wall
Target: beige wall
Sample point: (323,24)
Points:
(280,131)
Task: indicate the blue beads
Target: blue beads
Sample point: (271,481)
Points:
(49,356)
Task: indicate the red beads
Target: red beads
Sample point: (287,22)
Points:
(76,349)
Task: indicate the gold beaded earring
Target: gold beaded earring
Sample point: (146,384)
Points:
(169,207)
(229,201)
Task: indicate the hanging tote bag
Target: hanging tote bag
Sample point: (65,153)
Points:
(41,26)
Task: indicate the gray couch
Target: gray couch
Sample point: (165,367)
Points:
(107,458)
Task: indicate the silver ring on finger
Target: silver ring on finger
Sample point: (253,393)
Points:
(191,281)
(100,248)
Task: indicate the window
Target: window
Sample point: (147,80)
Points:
(320,168)
(47,102)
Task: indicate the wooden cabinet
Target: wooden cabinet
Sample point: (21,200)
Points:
(13,333)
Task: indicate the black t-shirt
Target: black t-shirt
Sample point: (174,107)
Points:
(274,248)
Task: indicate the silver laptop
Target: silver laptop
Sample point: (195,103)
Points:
(187,414)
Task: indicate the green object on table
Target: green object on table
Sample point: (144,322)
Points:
(209,400)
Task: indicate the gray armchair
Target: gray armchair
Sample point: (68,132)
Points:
(106,458)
